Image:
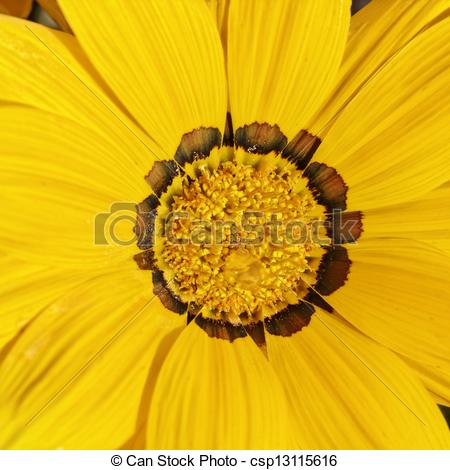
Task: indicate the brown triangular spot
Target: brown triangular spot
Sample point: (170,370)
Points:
(228,136)
(220,329)
(256,332)
(333,270)
(161,175)
(197,144)
(327,186)
(344,227)
(290,320)
(145,222)
(145,260)
(301,149)
(314,298)
(260,138)
(166,296)
(192,312)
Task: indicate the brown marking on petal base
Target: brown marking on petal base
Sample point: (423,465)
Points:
(197,144)
(192,312)
(220,329)
(145,260)
(256,332)
(332,274)
(166,296)
(144,227)
(327,185)
(301,149)
(290,320)
(228,136)
(260,138)
(314,298)
(161,175)
(333,270)
(344,227)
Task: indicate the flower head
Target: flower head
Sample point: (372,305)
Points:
(225,225)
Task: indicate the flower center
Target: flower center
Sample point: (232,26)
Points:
(243,233)
(239,232)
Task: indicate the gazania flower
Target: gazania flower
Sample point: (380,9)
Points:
(341,340)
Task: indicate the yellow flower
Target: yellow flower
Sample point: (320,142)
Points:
(322,120)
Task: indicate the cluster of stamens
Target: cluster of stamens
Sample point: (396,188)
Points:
(233,248)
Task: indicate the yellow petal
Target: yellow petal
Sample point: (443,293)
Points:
(59,181)
(442,245)
(163,59)
(397,293)
(347,392)
(219,10)
(213,394)
(435,376)
(47,69)
(390,144)
(75,378)
(283,58)
(377,32)
(16,7)
(53,9)
(426,218)
(25,289)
